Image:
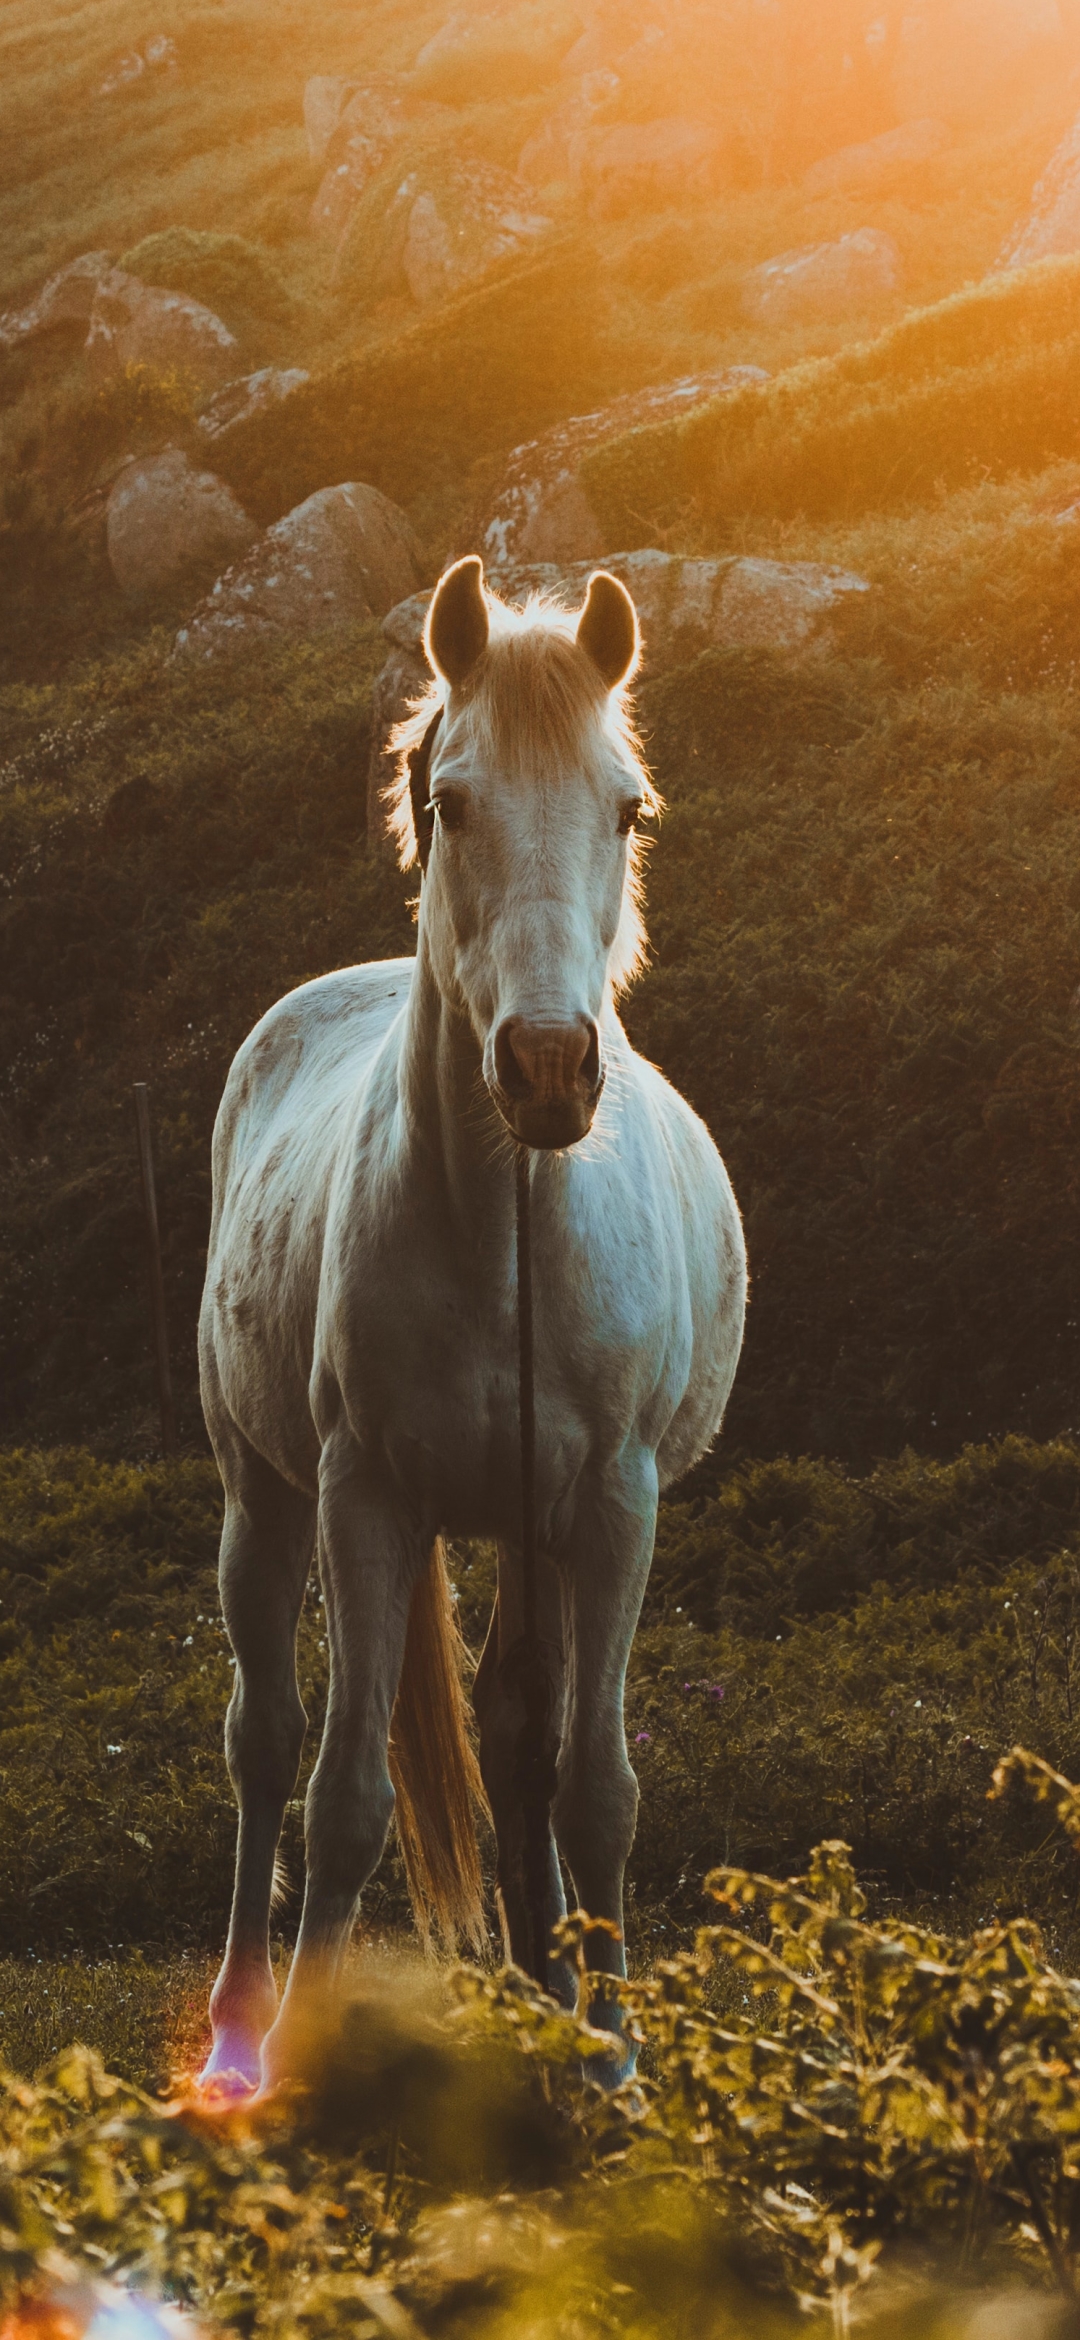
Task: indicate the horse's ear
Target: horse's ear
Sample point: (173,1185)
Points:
(457,627)
(608,629)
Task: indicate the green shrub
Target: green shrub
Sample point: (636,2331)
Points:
(488,368)
(982,382)
(241,282)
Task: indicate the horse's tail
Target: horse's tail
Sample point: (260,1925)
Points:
(434,1769)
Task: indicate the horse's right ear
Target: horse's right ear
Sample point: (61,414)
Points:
(457,626)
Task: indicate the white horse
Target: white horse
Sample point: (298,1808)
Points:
(358,1335)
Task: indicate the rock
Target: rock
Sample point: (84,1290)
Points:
(637,165)
(346,554)
(824,282)
(476,219)
(1052,228)
(357,146)
(685,606)
(877,160)
(67,299)
(137,324)
(557,150)
(325,98)
(251,394)
(542,512)
(158,56)
(166,521)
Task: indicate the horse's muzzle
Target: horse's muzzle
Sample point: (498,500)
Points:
(548,1079)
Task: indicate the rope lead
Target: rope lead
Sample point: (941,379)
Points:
(535,1769)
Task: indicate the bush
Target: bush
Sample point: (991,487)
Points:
(980,383)
(898,2103)
(241,282)
(414,411)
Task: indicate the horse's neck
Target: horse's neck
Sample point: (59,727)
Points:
(449,1124)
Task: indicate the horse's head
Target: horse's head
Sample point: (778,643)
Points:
(530,907)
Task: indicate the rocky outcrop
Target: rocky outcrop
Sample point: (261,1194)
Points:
(158,56)
(453,234)
(250,394)
(346,554)
(866,168)
(557,151)
(542,512)
(166,521)
(1052,227)
(326,96)
(137,324)
(358,142)
(637,165)
(685,606)
(824,283)
(66,300)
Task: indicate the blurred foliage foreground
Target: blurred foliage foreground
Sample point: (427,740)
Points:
(901,2107)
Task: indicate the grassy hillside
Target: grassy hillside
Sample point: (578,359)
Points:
(866,929)
(820,1654)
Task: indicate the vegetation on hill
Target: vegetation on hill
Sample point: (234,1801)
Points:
(866,926)
(819,1652)
(980,385)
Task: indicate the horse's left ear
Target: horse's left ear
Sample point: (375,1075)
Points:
(457,628)
(608,629)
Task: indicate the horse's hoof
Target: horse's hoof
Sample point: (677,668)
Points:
(231,2071)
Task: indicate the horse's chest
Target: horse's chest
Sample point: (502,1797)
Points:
(437,1396)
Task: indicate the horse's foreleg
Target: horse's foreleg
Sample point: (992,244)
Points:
(606,1565)
(500,1712)
(370,1564)
(265,1556)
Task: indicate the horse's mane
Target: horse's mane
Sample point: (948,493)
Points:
(535,702)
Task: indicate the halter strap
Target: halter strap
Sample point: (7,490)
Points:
(419,763)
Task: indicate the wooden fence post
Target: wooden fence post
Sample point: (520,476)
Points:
(157,1282)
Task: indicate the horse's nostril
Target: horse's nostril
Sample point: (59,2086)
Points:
(547,1061)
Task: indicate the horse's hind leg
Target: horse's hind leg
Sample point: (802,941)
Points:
(266,1548)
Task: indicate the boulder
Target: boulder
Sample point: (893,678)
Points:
(824,283)
(475,218)
(1052,227)
(685,606)
(877,161)
(137,324)
(326,96)
(346,554)
(637,165)
(251,394)
(67,299)
(558,149)
(542,512)
(166,521)
(358,143)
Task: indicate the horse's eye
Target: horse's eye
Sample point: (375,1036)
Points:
(450,808)
(628,818)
